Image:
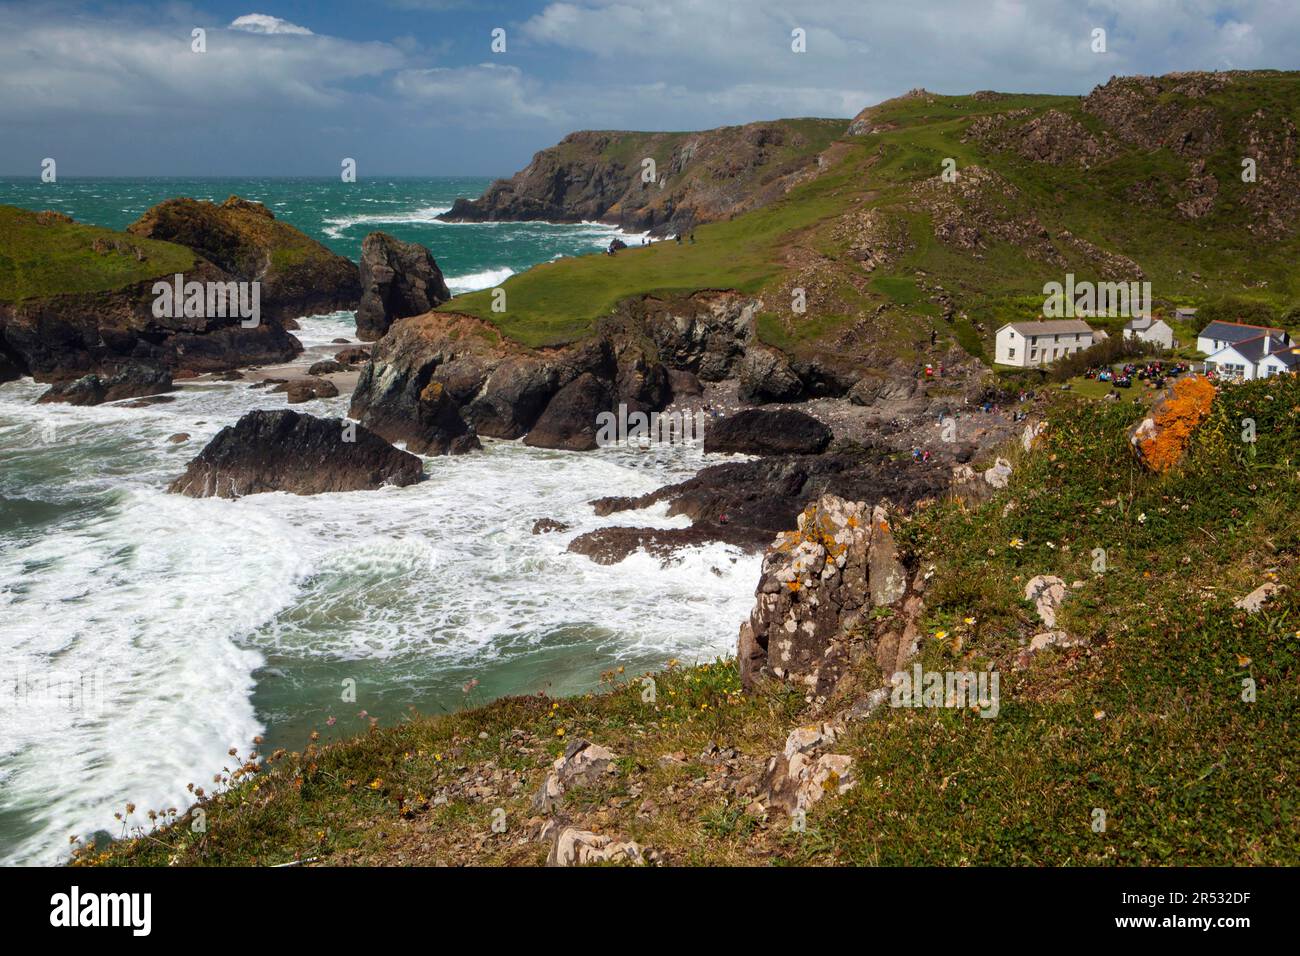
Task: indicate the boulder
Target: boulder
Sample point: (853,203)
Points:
(754,431)
(765,375)
(547,525)
(398,279)
(574,847)
(683,384)
(582,764)
(300,390)
(569,421)
(129,381)
(300,454)
(513,397)
(817,587)
(326,367)
(352,356)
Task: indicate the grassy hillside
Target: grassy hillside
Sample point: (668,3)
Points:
(1146,723)
(879,230)
(43,254)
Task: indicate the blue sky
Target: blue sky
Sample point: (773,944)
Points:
(413,87)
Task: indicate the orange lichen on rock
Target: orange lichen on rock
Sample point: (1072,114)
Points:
(1162,439)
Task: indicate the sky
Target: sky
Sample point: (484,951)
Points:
(414,87)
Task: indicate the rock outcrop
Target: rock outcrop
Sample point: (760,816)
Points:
(398,279)
(57,335)
(753,431)
(135,380)
(819,586)
(298,275)
(570,420)
(285,451)
(697,177)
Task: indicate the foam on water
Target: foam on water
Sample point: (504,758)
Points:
(209,621)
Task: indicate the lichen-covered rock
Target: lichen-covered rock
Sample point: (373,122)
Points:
(398,279)
(1162,438)
(817,585)
(798,777)
(303,455)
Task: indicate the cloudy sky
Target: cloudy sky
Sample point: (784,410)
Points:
(413,87)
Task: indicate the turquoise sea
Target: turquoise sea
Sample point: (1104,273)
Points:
(142,635)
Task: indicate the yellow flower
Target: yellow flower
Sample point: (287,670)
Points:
(1243,660)
(376,784)
(559,731)
(1016,543)
(969,620)
(940,635)
(1098,714)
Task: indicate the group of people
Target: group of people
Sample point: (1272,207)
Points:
(1154,373)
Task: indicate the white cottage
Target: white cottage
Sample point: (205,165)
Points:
(1219,335)
(1028,344)
(1260,357)
(1155,331)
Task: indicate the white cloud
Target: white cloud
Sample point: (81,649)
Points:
(263,23)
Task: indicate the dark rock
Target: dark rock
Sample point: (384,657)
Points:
(285,451)
(398,279)
(269,381)
(234,375)
(766,376)
(178,438)
(547,525)
(130,381)
(300,390)
(612,545)
(683,384)
(326,367)
(10,369)
(514,397)
(352,356)
(569,421)
(753,431)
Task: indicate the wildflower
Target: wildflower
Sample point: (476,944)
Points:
(1142,518)
(559,731)
(940,635)
(331,722)
(376,784)
(969,620)
(1016,543)
(1098,714)
(1243,660)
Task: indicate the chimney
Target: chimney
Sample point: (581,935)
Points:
(1267,343)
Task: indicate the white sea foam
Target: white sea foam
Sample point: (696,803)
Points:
(177,602)
(335,227)
(474,281)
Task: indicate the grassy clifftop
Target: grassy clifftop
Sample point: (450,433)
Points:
(1142,179)
(44,254)
(1175,716)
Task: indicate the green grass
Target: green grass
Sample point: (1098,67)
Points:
(1147,723)
(38,260)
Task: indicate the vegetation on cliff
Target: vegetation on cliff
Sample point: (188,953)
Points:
(1112,186)
(1173,712)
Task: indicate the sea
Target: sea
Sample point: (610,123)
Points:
(145,635)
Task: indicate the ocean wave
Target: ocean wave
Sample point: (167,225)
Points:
(487,279)
(335,227)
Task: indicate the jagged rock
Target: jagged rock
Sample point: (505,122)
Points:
(885,572)
(513,397)
(795,779)
(398,279)
(704,176)
(766,376)
(285,451)
(547,525)
(569,421)
(299,390)
(582,764)
(612,545)
(130,381)
(574,847)
(752,431)
(1047,592)
(816,587)
(1033,431)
